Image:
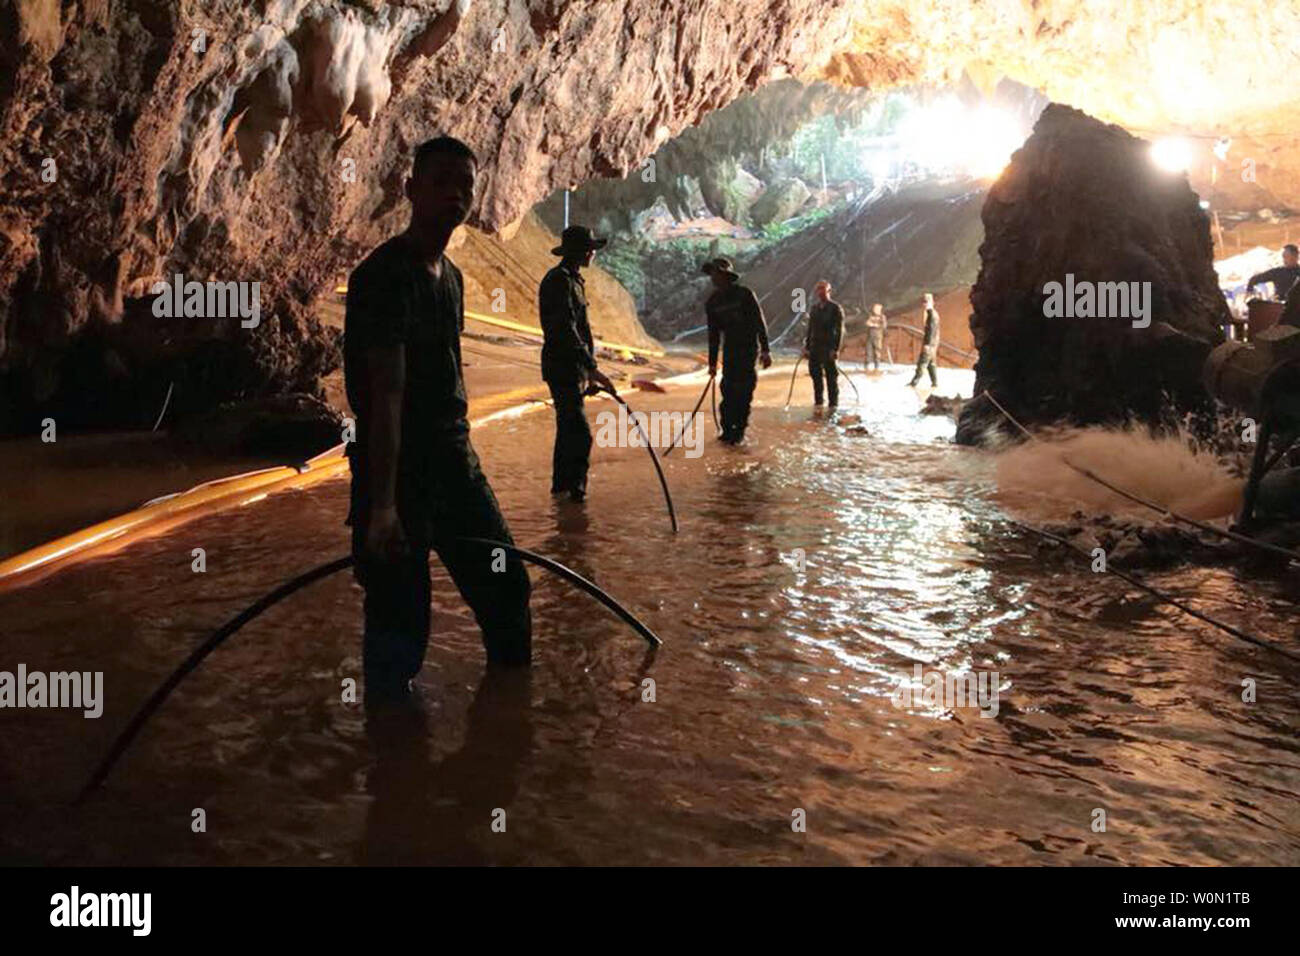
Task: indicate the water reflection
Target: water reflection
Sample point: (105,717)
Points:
(772,691)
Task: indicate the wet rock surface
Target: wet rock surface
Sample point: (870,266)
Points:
(950,405)
(1081,203)
(268,142)
(291,427)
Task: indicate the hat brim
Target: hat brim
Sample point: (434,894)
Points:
(586,246)
(708,271)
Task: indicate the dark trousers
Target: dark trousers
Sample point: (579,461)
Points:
(926,360)
(737,395)
(458,502)
(572,454)
(820,366)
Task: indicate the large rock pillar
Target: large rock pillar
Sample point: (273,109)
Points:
(1081,225)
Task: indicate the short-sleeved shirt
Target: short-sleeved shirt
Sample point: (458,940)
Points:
(393,299)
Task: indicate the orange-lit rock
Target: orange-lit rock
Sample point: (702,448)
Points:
(267,142)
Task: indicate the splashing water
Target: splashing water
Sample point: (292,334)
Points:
(1034,477)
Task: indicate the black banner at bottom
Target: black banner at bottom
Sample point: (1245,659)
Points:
(212,906)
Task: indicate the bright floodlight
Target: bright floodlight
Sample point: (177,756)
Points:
(945,135)
(1171,154)
(994,137)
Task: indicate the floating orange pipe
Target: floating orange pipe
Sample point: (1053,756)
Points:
(533,330)
(165,513)
(169,511)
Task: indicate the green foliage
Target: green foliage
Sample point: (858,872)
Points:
(625,260)
(775,232)
(844,145)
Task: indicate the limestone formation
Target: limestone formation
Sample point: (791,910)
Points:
(1081,213)
(781,200)
(267,142)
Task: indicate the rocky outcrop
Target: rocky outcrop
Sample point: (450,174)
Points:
(780,201)
(1082,226)
(693,166)
(730,190)
(268,142)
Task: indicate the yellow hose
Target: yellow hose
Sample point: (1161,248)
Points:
(167,512)
(534,330)
(161,515)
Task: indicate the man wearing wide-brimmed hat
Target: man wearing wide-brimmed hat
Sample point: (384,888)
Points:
(569,358)
(736,323)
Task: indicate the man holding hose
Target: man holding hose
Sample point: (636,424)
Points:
(737,326)
(416,481)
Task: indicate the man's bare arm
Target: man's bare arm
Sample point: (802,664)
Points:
(386,366)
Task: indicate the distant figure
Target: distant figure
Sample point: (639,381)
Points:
(568,359)
(876,325)
(1283,277)
(821,345)
(929,345)
(416,481)
(736,321)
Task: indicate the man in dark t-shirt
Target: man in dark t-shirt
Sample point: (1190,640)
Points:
(821,345)
(737,326)
(416,481)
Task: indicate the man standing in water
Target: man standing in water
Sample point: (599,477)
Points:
(736,321)
(568,359)
(929,345)
(821,345)
(876,325)
(416,481)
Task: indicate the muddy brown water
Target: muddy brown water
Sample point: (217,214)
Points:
(772,692)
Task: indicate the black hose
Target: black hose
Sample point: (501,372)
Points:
(654,457)
(1142,585)
(795,372)
(573,577)
(713,400)
(849,378)
(197,656)
(215,639)
(694,412)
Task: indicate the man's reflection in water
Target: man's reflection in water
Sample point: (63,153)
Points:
(441,813)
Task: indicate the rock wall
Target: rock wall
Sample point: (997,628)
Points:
(268,143)
(705,161)
(1081,199)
